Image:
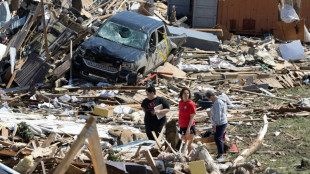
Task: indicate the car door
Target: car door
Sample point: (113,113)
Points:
(162,47)
(152,52)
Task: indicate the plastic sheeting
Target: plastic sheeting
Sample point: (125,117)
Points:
(288,14)
(123,109)
(2,50)
(106,93)
(217,62)
(196,68)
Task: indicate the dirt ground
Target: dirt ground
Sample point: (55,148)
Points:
(282,153)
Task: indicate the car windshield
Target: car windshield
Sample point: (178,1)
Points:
(123,35)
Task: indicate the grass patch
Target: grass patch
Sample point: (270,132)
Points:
(281,153)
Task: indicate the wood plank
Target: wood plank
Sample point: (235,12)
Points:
(156,139)
(282,78)
(4,143)
(96,152)
(273,82)
(150,161)
(8,153)
(86,131)
(161,17)
(289,80)
(219,32)
(200,52)
(11,80)
(49,140)
(5,132)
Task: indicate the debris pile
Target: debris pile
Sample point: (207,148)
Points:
(72,87)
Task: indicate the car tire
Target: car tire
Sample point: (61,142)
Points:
(132,79)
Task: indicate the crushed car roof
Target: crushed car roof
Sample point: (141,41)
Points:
(136,21)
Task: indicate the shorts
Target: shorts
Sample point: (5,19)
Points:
(183,130)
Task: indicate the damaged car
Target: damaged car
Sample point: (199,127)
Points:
(126,45)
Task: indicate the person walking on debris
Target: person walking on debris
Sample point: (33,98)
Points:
(218,120)
(187,112)
(155,109)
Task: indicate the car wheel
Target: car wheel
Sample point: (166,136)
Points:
(132,79)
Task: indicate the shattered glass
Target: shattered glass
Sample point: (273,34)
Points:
(123,35)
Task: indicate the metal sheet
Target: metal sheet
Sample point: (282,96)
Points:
(248,16)
(33,71)
(196,39)
(204,13)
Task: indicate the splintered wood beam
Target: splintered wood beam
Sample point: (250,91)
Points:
(157,141)
(254,146)
(169,145)
(89,131)
(49,140)
(150,161)
(161,17)
(238,90)
(96,152)
(11,80)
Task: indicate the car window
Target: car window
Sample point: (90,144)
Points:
(161,32)
(153,40)
(123,35)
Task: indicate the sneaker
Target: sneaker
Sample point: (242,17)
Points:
(220,158)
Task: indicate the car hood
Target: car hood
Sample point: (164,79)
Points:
(100,46)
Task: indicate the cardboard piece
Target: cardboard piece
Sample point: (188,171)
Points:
(98,110)
(177,73)
(197,167)
(290,31)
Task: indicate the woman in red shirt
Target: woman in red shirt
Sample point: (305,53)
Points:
(187,112)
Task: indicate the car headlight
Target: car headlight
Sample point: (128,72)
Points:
(128,66)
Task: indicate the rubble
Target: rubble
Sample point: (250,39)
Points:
(52,120)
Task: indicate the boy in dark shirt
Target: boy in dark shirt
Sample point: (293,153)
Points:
(152,123)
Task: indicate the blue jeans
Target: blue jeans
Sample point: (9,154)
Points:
(218,137)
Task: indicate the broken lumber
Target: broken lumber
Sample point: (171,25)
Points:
(150,161)
(201,153)
(89,129)
(238,90)
(157,141)
(219,32)
(254,146)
